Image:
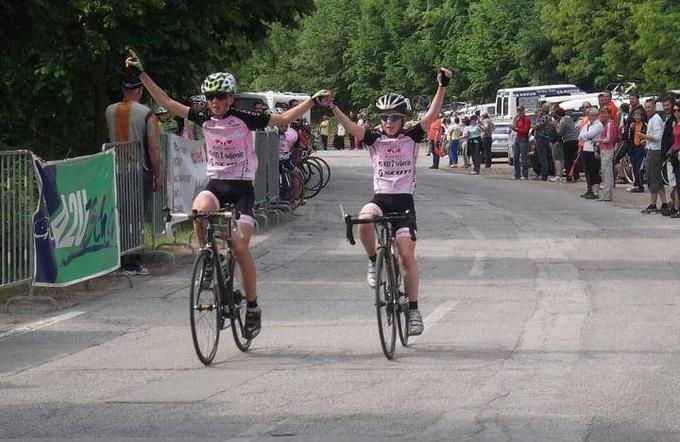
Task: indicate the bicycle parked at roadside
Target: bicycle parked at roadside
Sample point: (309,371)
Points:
(391,301)
(216,301)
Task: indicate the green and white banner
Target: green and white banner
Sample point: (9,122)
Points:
(75,228)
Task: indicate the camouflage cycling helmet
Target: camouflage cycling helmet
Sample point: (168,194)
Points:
(392,101)
(219,82)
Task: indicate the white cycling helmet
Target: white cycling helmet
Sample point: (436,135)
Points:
(392,101)
(219,82)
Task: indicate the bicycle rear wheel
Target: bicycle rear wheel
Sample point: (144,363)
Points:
(204,311)
(312,175)
(326,169)
(628,169)
(236,302)
(384,305)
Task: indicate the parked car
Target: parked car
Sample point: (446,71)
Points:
(500,144)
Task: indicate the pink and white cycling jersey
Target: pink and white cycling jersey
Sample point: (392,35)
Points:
(286,142)
(394,159)
(229,142)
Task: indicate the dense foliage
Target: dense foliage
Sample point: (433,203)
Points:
(61,61)
(362,48)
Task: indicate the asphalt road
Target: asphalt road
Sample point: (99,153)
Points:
(548,318)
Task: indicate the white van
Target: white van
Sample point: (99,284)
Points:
(271,99)
(507,100)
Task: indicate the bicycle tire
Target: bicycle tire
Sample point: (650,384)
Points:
(313,178)
(204,311)
(326,168)
(402,305)
(664,173)
(627,169)
(236,304)
(384,305)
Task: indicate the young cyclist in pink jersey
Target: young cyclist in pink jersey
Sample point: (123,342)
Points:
(393,152)
(231,162)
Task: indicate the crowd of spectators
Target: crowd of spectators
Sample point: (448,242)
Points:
(606,144)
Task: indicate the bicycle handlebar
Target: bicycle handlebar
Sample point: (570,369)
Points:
(390,217)
(195,214)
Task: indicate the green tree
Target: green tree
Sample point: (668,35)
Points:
(657,24)
(63,60)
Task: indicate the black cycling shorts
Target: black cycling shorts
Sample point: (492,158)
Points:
(396,203)
(240,193)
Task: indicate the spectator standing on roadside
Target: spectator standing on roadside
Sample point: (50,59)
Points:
(637,152)
(606,145)
(487,130)
(433,134)
(666,142)
(605,100)
(654,161)
(474,139)
(624,145)
(353,119)
(521,125)
(543,135)
(453,138)
(464,126)
(340,137)
(590,135)
(131,121)
(568,134)
(323,132)
(673,158)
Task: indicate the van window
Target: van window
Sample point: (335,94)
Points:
(499,106)
(505,106)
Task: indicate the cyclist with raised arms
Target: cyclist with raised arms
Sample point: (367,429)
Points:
(231,162)
(393,152)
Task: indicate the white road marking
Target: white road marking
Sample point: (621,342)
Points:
(478,265)
(476,233)
(33,326)
(436,316)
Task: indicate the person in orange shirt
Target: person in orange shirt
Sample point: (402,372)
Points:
(433,134)
(605,100)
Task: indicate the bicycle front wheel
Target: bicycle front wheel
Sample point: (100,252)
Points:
(401,305)
(313,178)
(236,302)
(384,304)
(325,168)
(204,312)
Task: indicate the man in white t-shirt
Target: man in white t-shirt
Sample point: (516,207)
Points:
(340,138)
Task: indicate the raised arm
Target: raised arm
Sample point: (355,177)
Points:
(443,78)
(354,129)
(158,94)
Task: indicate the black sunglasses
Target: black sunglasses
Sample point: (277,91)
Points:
(676,110)
(216,96)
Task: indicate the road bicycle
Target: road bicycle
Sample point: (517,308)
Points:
(391,300)
(216,301)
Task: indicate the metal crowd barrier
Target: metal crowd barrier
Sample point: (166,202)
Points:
(18,200)
(129,185)
(159,199)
